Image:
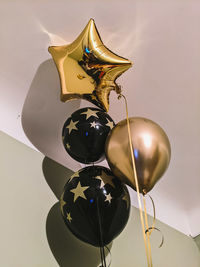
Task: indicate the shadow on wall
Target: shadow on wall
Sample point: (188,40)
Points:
(66,248)
(43,114)
(56,175)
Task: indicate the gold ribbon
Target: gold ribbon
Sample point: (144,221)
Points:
(143,218)
(152,228)
(146,239)
(147,232)
(154,215)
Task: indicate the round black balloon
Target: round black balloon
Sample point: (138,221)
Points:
(84,134)
(94,199)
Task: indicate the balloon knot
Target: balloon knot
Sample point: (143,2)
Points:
(144,192)
(118,89)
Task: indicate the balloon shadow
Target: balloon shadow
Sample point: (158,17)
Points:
(66,248)
(56,175)
(43,114)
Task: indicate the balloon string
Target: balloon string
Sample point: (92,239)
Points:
(162,241)
(102,264)
(136,181)
(148,233)
(103,261)
(104,257)
(101,256)
(110,256)
(150,229)
(154,216)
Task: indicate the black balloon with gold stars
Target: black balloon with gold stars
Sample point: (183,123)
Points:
(95,205)
(84,134)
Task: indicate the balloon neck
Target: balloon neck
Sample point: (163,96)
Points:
(144,192)
(118,89)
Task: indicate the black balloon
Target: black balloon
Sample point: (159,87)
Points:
(84,134)
(95,205)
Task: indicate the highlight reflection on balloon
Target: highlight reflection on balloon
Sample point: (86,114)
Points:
(151,152)
(87,68)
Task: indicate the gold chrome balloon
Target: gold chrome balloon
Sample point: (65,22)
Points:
(87,68)
(151,152)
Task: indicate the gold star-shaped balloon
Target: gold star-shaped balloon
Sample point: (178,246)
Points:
(87,68)
(79,191)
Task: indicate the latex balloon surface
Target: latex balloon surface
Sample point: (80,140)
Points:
(84,134)
(88,69)
(151,152)
(95,205)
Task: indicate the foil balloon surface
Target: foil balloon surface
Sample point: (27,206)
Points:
(88,69)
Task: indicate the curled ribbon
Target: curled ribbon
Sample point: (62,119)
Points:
(152,228)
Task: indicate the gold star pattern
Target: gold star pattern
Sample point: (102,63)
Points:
(102,182)
(110,124)
(69,218)
(88,57)
(127,200)
(89,113)
(79,191)
(107,179)
(76,174)
(72,126)
(68,146)
(93,124)
(62,203)
(108,198)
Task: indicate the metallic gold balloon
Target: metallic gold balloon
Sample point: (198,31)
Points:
(87,68)
(151,152)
